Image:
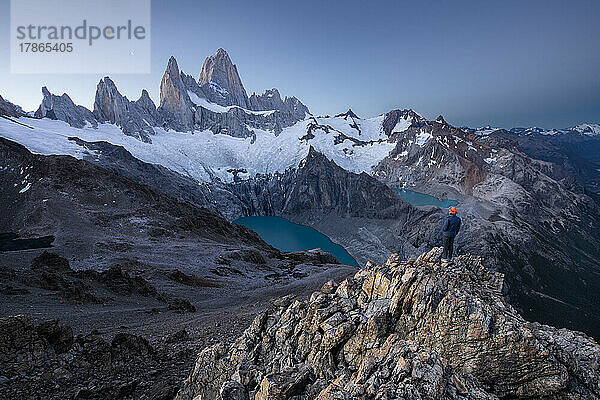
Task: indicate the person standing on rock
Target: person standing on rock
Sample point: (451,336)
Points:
(450,230)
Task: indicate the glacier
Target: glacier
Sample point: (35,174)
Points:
(205,156)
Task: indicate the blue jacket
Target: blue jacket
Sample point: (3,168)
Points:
(451,226)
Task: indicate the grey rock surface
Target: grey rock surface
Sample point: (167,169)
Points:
(220,81)
(139,263)
(409,329)
(175,107)
(63,108)
(9,109)
(271,100)
(135,118)
(234,114)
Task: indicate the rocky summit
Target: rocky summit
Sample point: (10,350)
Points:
(135,118)
(9,109)
(221,82)
(62,108)
(407,329)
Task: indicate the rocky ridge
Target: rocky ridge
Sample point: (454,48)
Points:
(217,101)
(271,100)
(220,81)
(9,109)
(136,118)
(62,108)
(411,329)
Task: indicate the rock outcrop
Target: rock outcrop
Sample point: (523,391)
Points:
(47,361)
(221,82)
(9,109)
(413,329)
(577,152)
(218,101)
(63,108)
(175,104)
(136,118)
(271,100)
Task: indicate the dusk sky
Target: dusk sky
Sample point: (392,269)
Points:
(506,63)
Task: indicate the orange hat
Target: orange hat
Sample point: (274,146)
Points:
(452,210)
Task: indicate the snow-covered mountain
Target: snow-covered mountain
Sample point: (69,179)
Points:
(355,144)
(209,129)
(9,109)
(263,155)
(583,129)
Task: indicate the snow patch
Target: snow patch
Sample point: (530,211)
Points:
(401,155)
(588,129)
(485,131)
(402,125)
(202,102)
(422,138)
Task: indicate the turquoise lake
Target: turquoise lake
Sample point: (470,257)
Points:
(285,235)
(422,199)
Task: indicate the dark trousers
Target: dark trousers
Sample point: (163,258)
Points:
(448,247)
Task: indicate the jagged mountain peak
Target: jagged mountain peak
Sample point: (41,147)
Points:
(172,66)
(9,109)
(272,92)
(347,114)
(587,129)
(409,328)
(106,87)
(134,118)
(313,153)
(271,100)
(64,109)
(145,97)
(313,156)
(221,82)
(399,120)
(107,81)
(175,104)
(48,94)
(221,53)
(441,120)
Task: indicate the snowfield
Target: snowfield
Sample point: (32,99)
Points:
(585,129)
(199,101)
(204,156)
(588,129)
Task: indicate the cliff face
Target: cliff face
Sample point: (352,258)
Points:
(221,82)
(9,109)
(62,108)
(135,118)
(410,329)
(175,103)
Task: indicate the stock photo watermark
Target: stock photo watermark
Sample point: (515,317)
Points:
(80,36)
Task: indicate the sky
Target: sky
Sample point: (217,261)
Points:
(503,63)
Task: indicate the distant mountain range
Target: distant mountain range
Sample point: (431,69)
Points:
(581,129)
(529,197)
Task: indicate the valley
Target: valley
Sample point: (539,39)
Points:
(216,206)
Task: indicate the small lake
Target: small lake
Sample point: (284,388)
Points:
(422,199)
(285,235)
